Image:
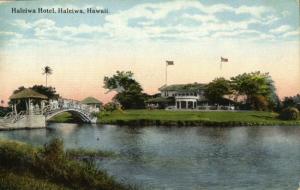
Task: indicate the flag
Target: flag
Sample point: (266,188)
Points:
(170,63)
(224,59)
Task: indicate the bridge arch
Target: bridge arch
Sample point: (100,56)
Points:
(86,118)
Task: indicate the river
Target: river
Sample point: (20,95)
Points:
(186,158)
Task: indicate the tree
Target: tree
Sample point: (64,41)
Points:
(129,91)
(216,90)
(19,89)
(293,101)
(47,71)
(254,86)
(49,91)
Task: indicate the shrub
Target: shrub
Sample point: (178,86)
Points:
(111,106)
(54,151)
(290,113)
(50,168)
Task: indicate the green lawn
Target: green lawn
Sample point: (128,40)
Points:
(163,117)
(185,118)
(64,117)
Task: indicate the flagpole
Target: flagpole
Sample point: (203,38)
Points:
(166,73)
(221,65)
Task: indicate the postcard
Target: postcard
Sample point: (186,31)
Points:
(152,94)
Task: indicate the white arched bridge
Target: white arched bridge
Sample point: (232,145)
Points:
(36,115)
(87,113)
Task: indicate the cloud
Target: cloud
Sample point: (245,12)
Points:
(22,24)
(235,33)
(156,11)
(41,23)
(6,1)
(207,22)
(171,20)
(47,29)
(256,11)
(10,34)
(292,33)
(281,29)
(285,13)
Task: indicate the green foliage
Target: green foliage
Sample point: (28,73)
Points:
(111,106)
(122,79)
(129,91)
(47,70)
(48,91)
(65,117)
(217,89)
(25,181)
(259,102)
(84,153)
(293,101)
(131,99)
(290,113)
(254,86)
(54,151)
(16,155)
(49,167)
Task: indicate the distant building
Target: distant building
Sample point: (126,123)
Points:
(93,103)
(187,96)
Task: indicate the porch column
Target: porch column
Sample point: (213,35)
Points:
(15,108)
(42,106)
(29,107)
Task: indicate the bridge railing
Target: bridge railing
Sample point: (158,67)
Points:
(13,117)
(53,107)
(63,104)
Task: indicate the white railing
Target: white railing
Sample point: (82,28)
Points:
(52,108)
(19,116)
(9,115)
(188,97)
(66,104)
(13,118)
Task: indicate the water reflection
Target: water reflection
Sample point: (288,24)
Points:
(187,157)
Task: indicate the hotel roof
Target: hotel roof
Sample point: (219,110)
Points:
(183,87)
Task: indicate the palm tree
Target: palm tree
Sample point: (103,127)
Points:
(47,71)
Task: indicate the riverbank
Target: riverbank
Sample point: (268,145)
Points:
(186,118)
(193,118)
(25,167)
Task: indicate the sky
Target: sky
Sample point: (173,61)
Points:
(82,48)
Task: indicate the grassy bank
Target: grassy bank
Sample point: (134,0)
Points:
(186,118)
(192,118)
(25,167)
(65,117)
